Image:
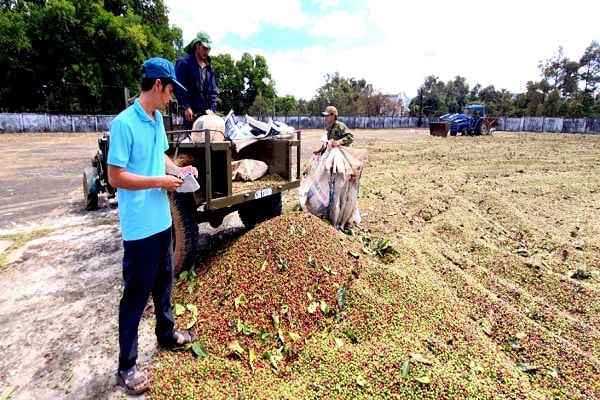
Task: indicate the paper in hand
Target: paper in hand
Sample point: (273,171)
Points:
(190,184)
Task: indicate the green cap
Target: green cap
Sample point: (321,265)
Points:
(201,37)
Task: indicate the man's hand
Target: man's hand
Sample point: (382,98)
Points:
(170,183)
(189,114)
(188,168)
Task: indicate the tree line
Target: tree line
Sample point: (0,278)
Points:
(62,56)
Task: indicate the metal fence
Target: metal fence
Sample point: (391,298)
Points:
(98,123)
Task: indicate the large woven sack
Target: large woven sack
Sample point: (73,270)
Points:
(214,123)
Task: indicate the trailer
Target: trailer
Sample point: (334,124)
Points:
(218,195)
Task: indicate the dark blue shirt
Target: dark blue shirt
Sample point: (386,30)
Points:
(201,94)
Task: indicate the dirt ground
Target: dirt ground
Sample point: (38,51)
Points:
(60,269)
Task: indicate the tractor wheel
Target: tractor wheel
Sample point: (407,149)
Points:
(257,211)
(90,189)
(483,128)
(185,231)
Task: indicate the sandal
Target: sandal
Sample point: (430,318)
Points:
(130,383)
(188,337)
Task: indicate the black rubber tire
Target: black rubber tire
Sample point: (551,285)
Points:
(483,128)
(257,211)
(185,231)
(90,199)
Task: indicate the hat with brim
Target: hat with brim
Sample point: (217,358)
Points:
(330,110)
(201,37)
(156,67)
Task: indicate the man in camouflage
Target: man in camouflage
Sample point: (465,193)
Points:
(338,133)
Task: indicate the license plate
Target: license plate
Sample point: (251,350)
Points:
(263,193)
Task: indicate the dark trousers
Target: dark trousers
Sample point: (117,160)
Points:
(147,270)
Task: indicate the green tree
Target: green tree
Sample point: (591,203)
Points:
(505,106)
(15,50)
(456,94)
(589,71)
(285,105)
(257,80)
(79,56)
(230,82)
(343,93)
(260,107)
(432,102)
(302,107)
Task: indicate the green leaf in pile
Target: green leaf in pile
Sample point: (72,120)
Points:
(276,321)
(351,335)
(273,358)
(191,286)
(194,310)
(282,264)
(360,380)
(328,270)
(244,328)
(199,349)
(263,265)
(178,309)
(513,344)
(341,296)
(527,367)
(405,368)
(251,359)
(239,301)
(236,348)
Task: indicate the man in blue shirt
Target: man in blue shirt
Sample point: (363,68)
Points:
(143,174)
(196,73)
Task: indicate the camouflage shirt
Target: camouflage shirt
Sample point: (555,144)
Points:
(339,132)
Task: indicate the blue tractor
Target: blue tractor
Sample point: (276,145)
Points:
(472,121)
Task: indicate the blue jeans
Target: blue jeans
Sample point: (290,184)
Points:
(147,270)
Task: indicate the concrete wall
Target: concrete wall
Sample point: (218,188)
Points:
(100,123)
(54,123)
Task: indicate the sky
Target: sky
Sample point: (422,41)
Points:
(393,44)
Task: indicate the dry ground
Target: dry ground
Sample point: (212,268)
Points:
(60,269)
(500,245)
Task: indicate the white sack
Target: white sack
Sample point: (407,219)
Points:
(248,170)
(214,123)
(330,185)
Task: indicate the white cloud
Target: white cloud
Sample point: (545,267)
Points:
(340,25)
(395,45)
(239,17)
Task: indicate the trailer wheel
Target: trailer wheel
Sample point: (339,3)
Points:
(185,230)
(90,188)
(483,128)
(257,211)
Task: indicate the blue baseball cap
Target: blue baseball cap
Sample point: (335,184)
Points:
(157,67)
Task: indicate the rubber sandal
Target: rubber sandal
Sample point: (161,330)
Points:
(188,337)
(128,381)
